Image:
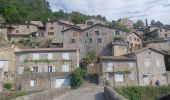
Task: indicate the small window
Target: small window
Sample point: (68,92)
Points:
(135,39)
(35,69)
(166,30)
(117,32)
(65,68)
(160,30)
(99,40)
(147,62)
(166,35)
(50,56)
(90,40)
(66,56)
(32,83)
(2,64)
(73,41)
(87,34)
(17,31)
(109,67)
(149,53)
(119,78)
(138,40)
(49,68)
(97,33)
(28,26)
(51,28)
(50,33)
(35,56)
(89,23)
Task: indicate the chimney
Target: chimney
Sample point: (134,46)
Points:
(146,22)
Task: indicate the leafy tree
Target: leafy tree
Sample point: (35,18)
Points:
(138,24)
(7,85)
(153,22)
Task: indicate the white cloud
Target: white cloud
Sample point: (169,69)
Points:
(114,9)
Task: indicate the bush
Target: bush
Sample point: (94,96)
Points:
(77,77)
(7,86)
(143,92)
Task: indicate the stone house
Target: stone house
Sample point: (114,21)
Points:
(96,38)
(54,30)
(16,32)
(126,22)
(162,32)
(44,68)
(159,44)
(150,66)
(94,21)
(119,48)
(7,64)
(112,70)
(152,28)
(145,65)
(134,41)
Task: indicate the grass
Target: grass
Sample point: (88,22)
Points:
(12,95)
(143,92)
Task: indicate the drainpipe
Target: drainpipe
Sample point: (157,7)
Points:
(137,69)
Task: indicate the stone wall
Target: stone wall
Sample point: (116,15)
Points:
(54,94)
(111,94)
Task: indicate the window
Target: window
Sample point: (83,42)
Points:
(160,30)
(117,32)
(28,26)
(1,64)
(50,56)
(20,70)
(65,68)
(35,69)
(50,33)
(135,39)
(17,31)
(87,34)
(35,56)
(32,83)
(166,30)
(73,40)
(138,40)
(49,68)
(89,23)
(90,40)
(97,33)
(147,62)
(158,62)
(66,56)
(51,28)
(166,35)
(149,53)
(99,40)
(119,78)
(109,67)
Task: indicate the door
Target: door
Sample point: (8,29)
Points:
(62,82)
(146,80)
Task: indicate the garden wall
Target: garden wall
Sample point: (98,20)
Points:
(53,94)
(111,94)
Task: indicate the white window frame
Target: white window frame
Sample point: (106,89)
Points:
(109,67)
(66,56)
(36,56)
(33,83)
(119,77)
(65,68)
(50,56)
(147,62)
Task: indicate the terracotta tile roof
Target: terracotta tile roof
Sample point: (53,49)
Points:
(116,58)
(46,50)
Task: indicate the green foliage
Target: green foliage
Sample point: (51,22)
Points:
(7,86)
(117,39)
(77,77)
(18,94)
(143,93)
(117,25)
(138,24)
(91,57)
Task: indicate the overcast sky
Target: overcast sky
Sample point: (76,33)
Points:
(115,9)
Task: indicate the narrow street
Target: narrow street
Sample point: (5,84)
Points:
(87,93)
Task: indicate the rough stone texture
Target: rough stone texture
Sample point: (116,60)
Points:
(25,64)
(119,49)
(126,22)
(119,66)
(53,94)
(159,45)
(134,41)
(155,69)
(111,94)
(87,40)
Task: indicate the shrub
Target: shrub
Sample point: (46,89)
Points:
(7,86)
(77,77)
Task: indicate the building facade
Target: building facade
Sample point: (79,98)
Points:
(40,69)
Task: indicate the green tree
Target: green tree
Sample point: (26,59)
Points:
(138,24)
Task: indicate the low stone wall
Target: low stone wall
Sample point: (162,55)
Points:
(53,94)
(111,94)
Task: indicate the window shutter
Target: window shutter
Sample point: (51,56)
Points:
(53,68)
